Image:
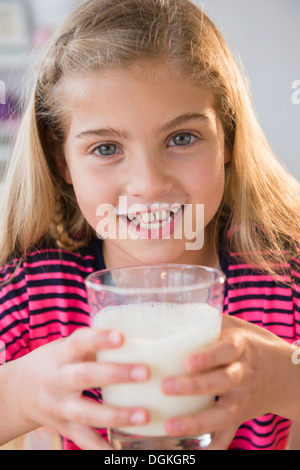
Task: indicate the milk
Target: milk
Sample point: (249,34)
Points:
(160,335)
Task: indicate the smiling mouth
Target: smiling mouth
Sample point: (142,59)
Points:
(155,221)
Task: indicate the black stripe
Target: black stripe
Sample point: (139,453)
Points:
(277,297)
(60,322)
(67,310)
(64,295)
(14,324)
(15,308)
(55,282)
(267,311)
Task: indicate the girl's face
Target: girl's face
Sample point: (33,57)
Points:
(151,145)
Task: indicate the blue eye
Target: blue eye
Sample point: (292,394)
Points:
(182,140)
(106,150)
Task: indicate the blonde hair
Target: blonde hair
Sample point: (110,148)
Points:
(260,207)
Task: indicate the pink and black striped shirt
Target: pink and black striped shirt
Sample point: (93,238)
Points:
(47,300)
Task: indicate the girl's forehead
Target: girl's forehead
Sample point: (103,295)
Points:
(136,78)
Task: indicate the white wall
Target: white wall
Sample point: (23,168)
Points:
(266,35)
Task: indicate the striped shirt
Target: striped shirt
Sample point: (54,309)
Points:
(47,300)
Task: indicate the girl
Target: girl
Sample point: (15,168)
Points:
(142,99)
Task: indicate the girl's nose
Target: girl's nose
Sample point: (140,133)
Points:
(149,179)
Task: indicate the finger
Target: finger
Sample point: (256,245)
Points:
(208,421)
(87,413)
(84,437)
(215,382)
(85,342)
(229,349)
(221,440)
(85,375)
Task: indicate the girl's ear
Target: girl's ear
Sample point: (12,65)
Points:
(59,158)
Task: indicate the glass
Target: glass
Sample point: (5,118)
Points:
(166,312)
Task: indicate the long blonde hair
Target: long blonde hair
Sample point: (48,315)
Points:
(260,207)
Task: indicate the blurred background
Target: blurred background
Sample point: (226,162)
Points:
(264,34)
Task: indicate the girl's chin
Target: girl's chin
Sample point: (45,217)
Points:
(145,251)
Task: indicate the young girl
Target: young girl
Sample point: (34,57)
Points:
(142,99)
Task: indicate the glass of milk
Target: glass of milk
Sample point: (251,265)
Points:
(166,313)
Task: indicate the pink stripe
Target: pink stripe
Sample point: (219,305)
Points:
(58,263)
(11,287)
(13,303)
(7,320)
(254,278)
(263,317)
(259,303)
(58,302)
(59,289)
(234,267)
(55,275)
(274,290)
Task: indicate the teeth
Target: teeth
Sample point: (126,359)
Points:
(147,217)
(156,219)
(135,221)
(161,215)
(176,208)
(152,226)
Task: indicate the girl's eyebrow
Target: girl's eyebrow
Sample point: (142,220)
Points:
(109,132)
(104,132)
(183,119)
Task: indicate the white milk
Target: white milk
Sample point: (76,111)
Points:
(161,336)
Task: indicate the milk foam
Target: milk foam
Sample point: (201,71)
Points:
(157,320)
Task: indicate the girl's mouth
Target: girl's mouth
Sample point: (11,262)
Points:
(157,222)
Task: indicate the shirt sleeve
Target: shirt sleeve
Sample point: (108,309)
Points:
(14,313)
(295,278)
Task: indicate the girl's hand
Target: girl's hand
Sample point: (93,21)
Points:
(249,369)
(53,396)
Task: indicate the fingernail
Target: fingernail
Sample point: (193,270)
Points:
(138,417)
(195,363)
(114,337)
(170,386)
(139,374)
(175,426)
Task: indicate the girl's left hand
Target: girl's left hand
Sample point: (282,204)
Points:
(249,369)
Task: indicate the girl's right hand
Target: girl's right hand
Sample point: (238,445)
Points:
(55,375)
